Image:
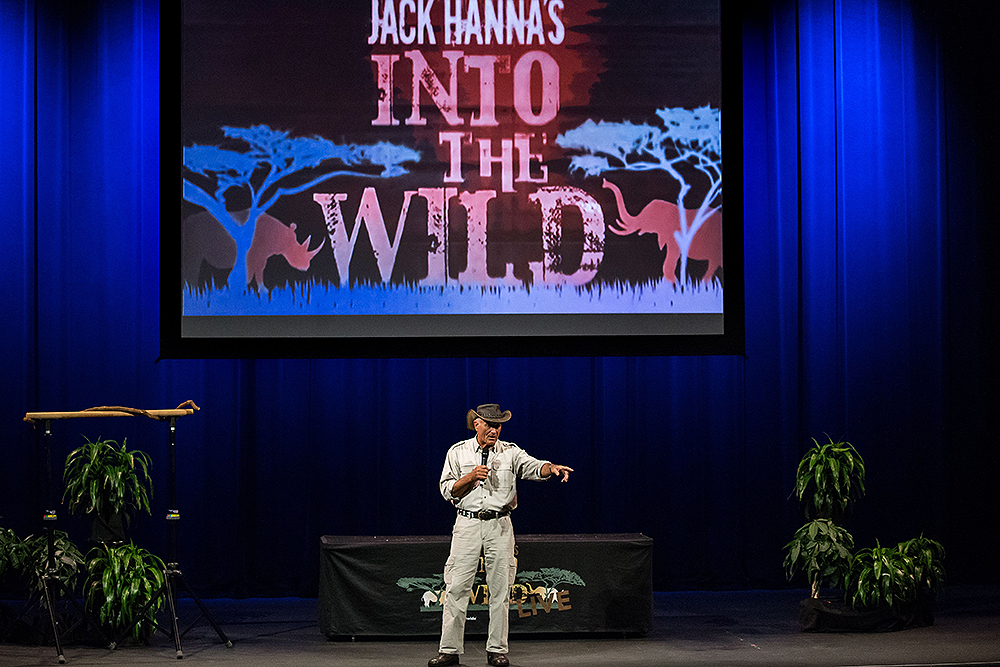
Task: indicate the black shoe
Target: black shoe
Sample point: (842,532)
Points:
(497,659)
(444,659)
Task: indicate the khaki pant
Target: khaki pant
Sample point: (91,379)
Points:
(495,539)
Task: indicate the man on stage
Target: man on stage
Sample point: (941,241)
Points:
(480,479)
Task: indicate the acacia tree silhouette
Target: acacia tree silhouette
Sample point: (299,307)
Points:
(689,144)
(275,165)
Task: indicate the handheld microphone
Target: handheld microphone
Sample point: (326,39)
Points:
(486,454)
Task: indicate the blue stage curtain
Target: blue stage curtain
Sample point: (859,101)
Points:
(869,304)
(18,479)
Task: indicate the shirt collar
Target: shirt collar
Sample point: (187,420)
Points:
(497,448)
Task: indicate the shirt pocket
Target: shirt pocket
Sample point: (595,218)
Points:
(505,475)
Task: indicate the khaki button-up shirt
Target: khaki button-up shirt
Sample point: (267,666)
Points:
(507,462)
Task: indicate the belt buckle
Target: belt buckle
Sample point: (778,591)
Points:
(481,515)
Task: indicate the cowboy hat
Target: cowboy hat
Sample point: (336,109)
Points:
(489,412)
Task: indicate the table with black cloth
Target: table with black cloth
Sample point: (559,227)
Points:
(392,586)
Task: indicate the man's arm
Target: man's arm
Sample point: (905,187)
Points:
(467,483)
(528,467)
(454,486)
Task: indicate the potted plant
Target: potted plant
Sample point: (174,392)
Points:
(27,561)
(123,588)
(901,580)
(822,550)
(10,549)
(928,563)
(108,483)
(828,479)
(884,588)
(30,557)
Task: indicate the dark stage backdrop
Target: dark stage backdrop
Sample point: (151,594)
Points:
(870,298)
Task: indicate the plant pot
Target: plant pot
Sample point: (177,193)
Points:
(832,615)
(109,529)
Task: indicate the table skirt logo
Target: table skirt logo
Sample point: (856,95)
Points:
(533,591)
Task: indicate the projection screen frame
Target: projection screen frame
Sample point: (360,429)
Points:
(466,335)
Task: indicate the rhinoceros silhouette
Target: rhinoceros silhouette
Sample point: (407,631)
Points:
(205,241)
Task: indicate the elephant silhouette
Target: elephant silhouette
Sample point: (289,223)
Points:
(662,218)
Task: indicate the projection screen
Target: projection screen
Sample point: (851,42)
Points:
(449,178)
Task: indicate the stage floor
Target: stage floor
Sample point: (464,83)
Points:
(696,628)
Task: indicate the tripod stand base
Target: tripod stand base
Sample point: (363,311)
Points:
(53,592)
(50,603)
(171,580)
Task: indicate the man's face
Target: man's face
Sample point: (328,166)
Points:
(487,432)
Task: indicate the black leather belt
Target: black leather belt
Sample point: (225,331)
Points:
(484,515)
